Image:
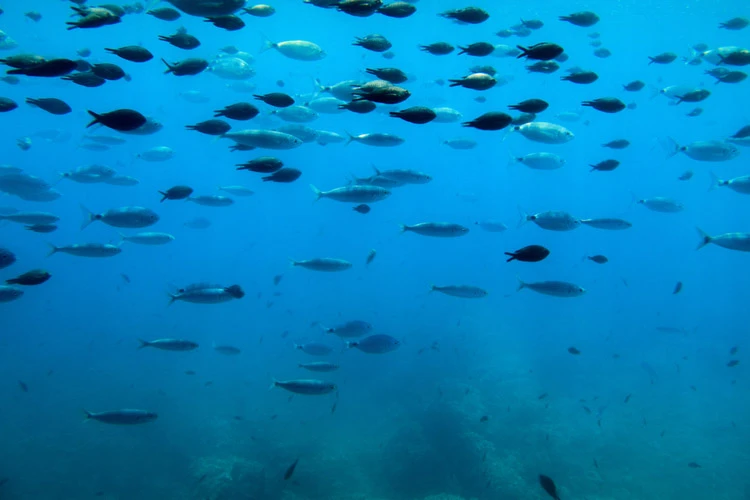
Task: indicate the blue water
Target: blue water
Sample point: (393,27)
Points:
(406,424)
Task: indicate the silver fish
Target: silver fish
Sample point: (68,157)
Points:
(94,250)
(607,223)
(310,387)
(553,288)
(730,241)
(319,366)
(169,344)
(436,229)
(353,194)
(123,417)
(127,217)
(463,291)
(325,264)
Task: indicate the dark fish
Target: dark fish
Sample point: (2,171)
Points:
(599,259)
(617,144)
(125,277)
(541,51)
(677,288)
(262,165)
(418,115)
(285,175)
(694,465)
(108,71)
(370,256)
(7,105)
(685,176)
(41,228)
(468,15)
(605,104)
(164,13)
(239,111)
(542,396)
(182,41)
(22,385)
(132,53)
(169,344)
(122,120)
(605,166)
(87,79)
(393,75)
(123,417)
(277,279)
(210,127)
(50,69)
(733,362)
(530,106)
(583,19)
(362,208)
(573,350)
(333,408)
(438,48)
(30,278)
(50,105)
(663,58)
(290,470)
(734,350)
(483,418)
(596,464)
(634,86)
(548,485)
(627,398)
(492,120)
(479,49)
(531,253)
(176,193)
(186,67)
(546,67)
(228,22)
(189,372)
(276,99)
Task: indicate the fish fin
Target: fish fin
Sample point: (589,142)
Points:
(87,415)
(144,343)
(512,256)
(705,238)
(318,192)
(266,44)
(404,228)
(351,139)
(521,284)
(715,182)
(169,66)
(94,115)
(274,383)
(673,147)
(292,262)
(432,288)
(523,217)
(88,217)
(52,249)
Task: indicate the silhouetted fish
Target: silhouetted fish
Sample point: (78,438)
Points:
(548,485)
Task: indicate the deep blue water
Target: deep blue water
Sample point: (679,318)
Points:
(406,424)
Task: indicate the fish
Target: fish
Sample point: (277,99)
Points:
(311,387)
(290,470)
(462,291)
(553,288)
(548,485)
(677,288)
(375,344)
(205,293)
(22,385)
(122,417)
(324,264)
(353,328)
(319,366)
(314,348)
(169,344)
(436,229)
(227,350)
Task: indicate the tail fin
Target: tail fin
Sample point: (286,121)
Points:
(351,139)
(88,217)
(523,50)
(144,343)
(52,249)
(292,262)
(95,120)
(523,217)
(432,288)
(715,182)
(88,415)
(673,146)
(274,383)
(521,284)
(404,228)
(318,192)
(266,44)
(169,66)
(705,239)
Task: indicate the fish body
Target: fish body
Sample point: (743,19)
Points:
(314,348)
(462,291)
(553,288)
(266,139)
(354,328)
(9,293)
(31,218)
(545,133)
(552,220)
(122,417)
(124,217)
(227,350)
(608,223)
(436,229)
(91,250)
(353,194)
(202,293)
(492,226)
(156,154)
(325,264)
(709,151)
(300,50)
(319,366)
(211,200)
(730,241)
(738,184)
(376,344)
(541,161)
(149,238)
(377,140)
(661,204)
(310,387)
(169,344)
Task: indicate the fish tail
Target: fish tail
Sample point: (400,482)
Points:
(292,262)
(318,192)
(87,415)
(523,50)
(52,249)
(521,284)
(715,182)
(512,256)
(144,343)
(164,196)
(404,228)
(169,66)
(88,217)
(351,139)
(266,44)
(274,383)
(96,118)
(705,238)
(523,217)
